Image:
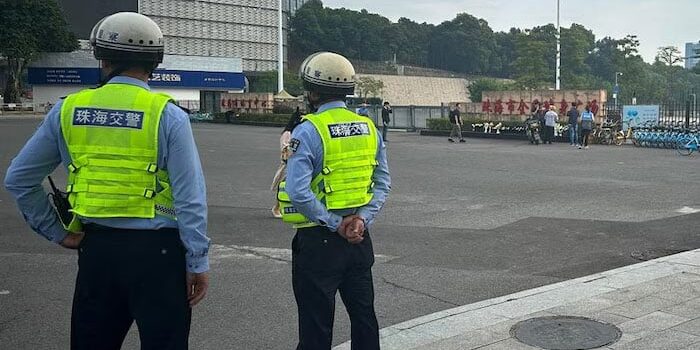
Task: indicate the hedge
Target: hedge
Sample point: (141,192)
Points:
(252,117)
(444,123)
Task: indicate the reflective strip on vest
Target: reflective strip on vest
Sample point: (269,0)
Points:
(112,136)
(350,146)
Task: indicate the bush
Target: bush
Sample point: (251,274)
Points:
(252,117)
(439,124)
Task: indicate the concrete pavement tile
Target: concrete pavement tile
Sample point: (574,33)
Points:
(653,322)
(508,344)
(641,307)
(470,340)
(687,258)
(691,327)
(406,339)
(388,331)
(695,346)
(664,340)
(682,293)
(455,325)
(637,276)
(548,300)
(584,306)
(689,309)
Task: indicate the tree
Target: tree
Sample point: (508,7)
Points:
(477,88)
(669,55)
(534,65)
(369,87)
(28,28)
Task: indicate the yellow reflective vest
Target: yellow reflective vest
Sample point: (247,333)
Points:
(112,137)
(350,148)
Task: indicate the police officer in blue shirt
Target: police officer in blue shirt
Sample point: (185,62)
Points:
(337,181)
(137,188)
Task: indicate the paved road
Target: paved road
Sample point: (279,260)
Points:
(465,222)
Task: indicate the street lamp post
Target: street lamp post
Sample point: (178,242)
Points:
(280,73)
(616,89)
(558,73)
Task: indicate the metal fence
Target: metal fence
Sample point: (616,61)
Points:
(670,112)
(408,117)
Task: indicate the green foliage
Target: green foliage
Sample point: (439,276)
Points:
(267,82)
(266,118)
(439,124)
(369,87)
(28,28)
(468,45)
(477,87)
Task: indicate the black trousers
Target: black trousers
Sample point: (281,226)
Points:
(324,263)
(126,276)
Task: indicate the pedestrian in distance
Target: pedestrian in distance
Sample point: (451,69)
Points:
(550,121)
(587,120)
(337,181)
(456,120)
(135,207)
(281,172)
(573,115)
(386,119)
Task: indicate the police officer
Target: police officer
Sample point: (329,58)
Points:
(136,186)
(337,181)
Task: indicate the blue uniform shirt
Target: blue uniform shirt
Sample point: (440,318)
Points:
(177,153)
(307,162)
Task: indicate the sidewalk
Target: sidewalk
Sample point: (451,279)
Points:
(656,305)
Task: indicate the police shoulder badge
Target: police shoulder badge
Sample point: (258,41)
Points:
(294,144)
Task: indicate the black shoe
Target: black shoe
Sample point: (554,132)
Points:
(451,140)
(462,140)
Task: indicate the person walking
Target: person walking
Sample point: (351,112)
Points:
(386,119)
(586,126)
(338,180)
(137,192)
(456,120)
(281,172)
(550,121)
(573,115)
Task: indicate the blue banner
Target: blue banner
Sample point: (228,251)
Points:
(63,76)
(161,78)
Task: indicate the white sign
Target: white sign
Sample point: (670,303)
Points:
(636,116)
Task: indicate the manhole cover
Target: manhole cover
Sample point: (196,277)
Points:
(565,333)
(651,254)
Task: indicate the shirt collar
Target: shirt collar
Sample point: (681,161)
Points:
(128,80)
(330,105)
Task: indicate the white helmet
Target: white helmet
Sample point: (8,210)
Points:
(127,36)
(328,73)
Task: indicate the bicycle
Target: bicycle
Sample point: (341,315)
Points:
(689,144)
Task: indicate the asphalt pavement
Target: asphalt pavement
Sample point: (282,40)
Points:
(464,223)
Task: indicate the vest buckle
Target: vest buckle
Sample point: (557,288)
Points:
(152,168)
(72,168)
(149,193)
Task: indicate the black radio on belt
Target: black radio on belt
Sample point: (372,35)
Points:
(61,204)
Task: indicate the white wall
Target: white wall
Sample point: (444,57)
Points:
(180,94)
(51,93)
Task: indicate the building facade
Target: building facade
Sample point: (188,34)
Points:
(692,51)
(245,29)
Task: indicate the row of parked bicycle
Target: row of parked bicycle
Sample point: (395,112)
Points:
(670,135)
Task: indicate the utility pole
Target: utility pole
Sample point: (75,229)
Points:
(280,72)
(558,74)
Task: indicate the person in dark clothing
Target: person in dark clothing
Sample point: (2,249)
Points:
(573,124)
(386,110)
(294,120)
(456,120)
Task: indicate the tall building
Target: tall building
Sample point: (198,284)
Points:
(692,52)
(245,29)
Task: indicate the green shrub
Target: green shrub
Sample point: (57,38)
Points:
(253,117)
(439,124)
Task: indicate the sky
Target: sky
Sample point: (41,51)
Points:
(656,22)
